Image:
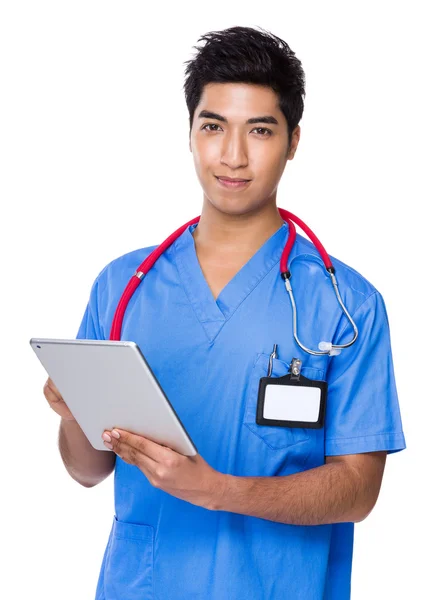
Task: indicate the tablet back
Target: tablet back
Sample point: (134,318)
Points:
(109,384)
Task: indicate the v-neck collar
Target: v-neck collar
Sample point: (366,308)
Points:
(213,313)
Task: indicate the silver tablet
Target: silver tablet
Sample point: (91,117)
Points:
(108,384)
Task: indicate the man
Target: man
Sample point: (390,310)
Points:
(262,512)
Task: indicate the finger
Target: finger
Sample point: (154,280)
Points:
(146,446)
(143,464)
(133,456)
(50,385)
(51,396)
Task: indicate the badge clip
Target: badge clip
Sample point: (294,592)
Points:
(295,369)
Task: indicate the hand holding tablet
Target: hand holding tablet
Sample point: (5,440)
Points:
(106,384)
(56,401)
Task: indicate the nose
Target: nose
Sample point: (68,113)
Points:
(234,151)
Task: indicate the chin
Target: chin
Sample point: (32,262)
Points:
(232,205)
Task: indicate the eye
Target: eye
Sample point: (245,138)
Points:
(210,125)
(264,129)
(268,131)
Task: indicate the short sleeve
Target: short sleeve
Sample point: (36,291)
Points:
(90,327)
(362,410)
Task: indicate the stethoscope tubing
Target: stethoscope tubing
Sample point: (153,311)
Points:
(290,218)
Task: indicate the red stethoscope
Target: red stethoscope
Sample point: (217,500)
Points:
(325,347)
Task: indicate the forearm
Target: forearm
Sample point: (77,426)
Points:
(331,493)
(83,462)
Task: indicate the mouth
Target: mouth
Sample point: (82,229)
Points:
(233,183)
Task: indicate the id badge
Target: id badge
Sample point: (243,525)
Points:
(291,400)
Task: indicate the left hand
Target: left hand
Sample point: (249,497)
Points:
(189,478)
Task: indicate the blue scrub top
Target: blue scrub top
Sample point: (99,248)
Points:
(209,356)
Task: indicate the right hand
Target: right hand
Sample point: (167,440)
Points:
(56,402)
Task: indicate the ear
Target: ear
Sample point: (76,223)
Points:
(295,138)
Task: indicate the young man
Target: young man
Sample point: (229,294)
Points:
(262,512)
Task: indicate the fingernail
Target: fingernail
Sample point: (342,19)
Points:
(105,436)
(108,445)
(116,433)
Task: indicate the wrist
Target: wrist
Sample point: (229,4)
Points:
(220,489)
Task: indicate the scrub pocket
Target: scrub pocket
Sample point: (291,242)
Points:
(274,436)
(129,562)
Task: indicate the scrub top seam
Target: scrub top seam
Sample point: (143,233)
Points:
(339,335)
(267,271)
(355,437)
(254,287)
(179,261)
(177,258)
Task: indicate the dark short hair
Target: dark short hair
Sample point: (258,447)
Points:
(246,55)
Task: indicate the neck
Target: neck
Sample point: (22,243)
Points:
(220,232)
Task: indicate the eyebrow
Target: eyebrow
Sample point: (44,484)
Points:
(207,114)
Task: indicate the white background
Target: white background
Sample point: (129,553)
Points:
(95,163)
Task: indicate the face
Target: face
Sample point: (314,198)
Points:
(224,144)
